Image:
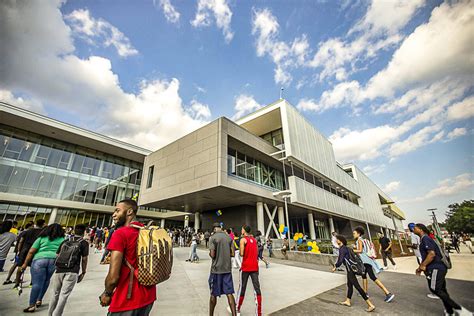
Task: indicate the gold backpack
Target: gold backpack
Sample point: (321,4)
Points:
(154,257)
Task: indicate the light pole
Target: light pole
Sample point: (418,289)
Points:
(435,221)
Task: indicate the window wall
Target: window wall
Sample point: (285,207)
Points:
(248,168)
(39,166)
(275,138)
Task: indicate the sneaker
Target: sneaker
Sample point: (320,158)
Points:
(230,312)
(7,282)
(385,268)
(395,267)
(462,312)
(435,297)
(389,297)
(266,265)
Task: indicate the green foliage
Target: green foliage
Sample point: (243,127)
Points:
(460,217)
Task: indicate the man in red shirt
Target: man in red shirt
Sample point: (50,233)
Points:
(249,254)
(123,244)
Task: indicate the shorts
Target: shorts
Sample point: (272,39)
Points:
(221,284)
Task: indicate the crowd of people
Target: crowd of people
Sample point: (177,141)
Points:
(61,255)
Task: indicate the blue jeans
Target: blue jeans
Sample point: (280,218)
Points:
(41,272)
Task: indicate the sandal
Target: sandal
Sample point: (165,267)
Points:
(7,282)
(370,309)
(344,304)
(30,309)
(39,303)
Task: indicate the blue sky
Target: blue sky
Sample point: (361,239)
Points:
(388,82)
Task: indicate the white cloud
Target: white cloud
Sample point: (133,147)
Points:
(221,12)
(170,12)
(421,138)
(44,67)
(391,187)
(378,30)
(455,133)
(25,103)
(447,187)
(440,48)
(285,56)
(462,110)
(245,104)
(99,31)
(199,111)
(373,169)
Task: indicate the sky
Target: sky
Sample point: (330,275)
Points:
(390,83)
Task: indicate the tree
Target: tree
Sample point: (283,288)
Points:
(460,217)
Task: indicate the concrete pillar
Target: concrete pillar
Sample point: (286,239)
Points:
(197,221)
(52,217)
(186,220)
(162,223)
(312,232)
(331,225)
(281,216)
(260,218)
(368,231)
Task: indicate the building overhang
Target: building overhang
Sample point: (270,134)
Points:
(32,122)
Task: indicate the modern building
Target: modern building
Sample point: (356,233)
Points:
(247,171)
(65,174)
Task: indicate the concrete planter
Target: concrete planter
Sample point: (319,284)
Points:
(308,257)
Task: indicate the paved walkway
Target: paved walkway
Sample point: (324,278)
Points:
(186,292)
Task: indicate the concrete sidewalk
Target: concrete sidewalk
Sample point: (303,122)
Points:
(461,270)
(187,291)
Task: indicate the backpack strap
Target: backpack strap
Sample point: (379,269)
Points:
(130,282)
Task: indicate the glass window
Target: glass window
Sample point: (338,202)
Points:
(250,169)
(27,151)
(3,143)
(111,191)
(18,177)
(58,185)
(13,149)
(42,155)
(149,181)
(5,174)
(69,189)
(240,165)
(64,161)
(54,157)
(46,180)
(32,179)
(91,166)
(77,163)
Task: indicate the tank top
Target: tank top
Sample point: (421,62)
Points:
(250,259)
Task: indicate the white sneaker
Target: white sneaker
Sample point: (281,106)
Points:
(394,267)
(433,296)
(385,268)
(462,312)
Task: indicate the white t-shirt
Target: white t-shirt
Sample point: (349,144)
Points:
(334,242)
(415,240)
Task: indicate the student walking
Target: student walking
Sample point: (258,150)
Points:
(249,253)
(435,270)
(221,250)
(335,246)
(193,254)
(207,235)
(260,243)
(123,249)
(43,253)
(371,267)
(26,240)
(7,238)
(344,259)
(386,251)
(72,257)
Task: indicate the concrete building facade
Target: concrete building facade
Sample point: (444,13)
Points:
(269,168)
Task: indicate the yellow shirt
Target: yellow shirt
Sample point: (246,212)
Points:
(14,230)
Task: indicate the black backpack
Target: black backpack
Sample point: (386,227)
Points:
(354,263)
(70,254)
